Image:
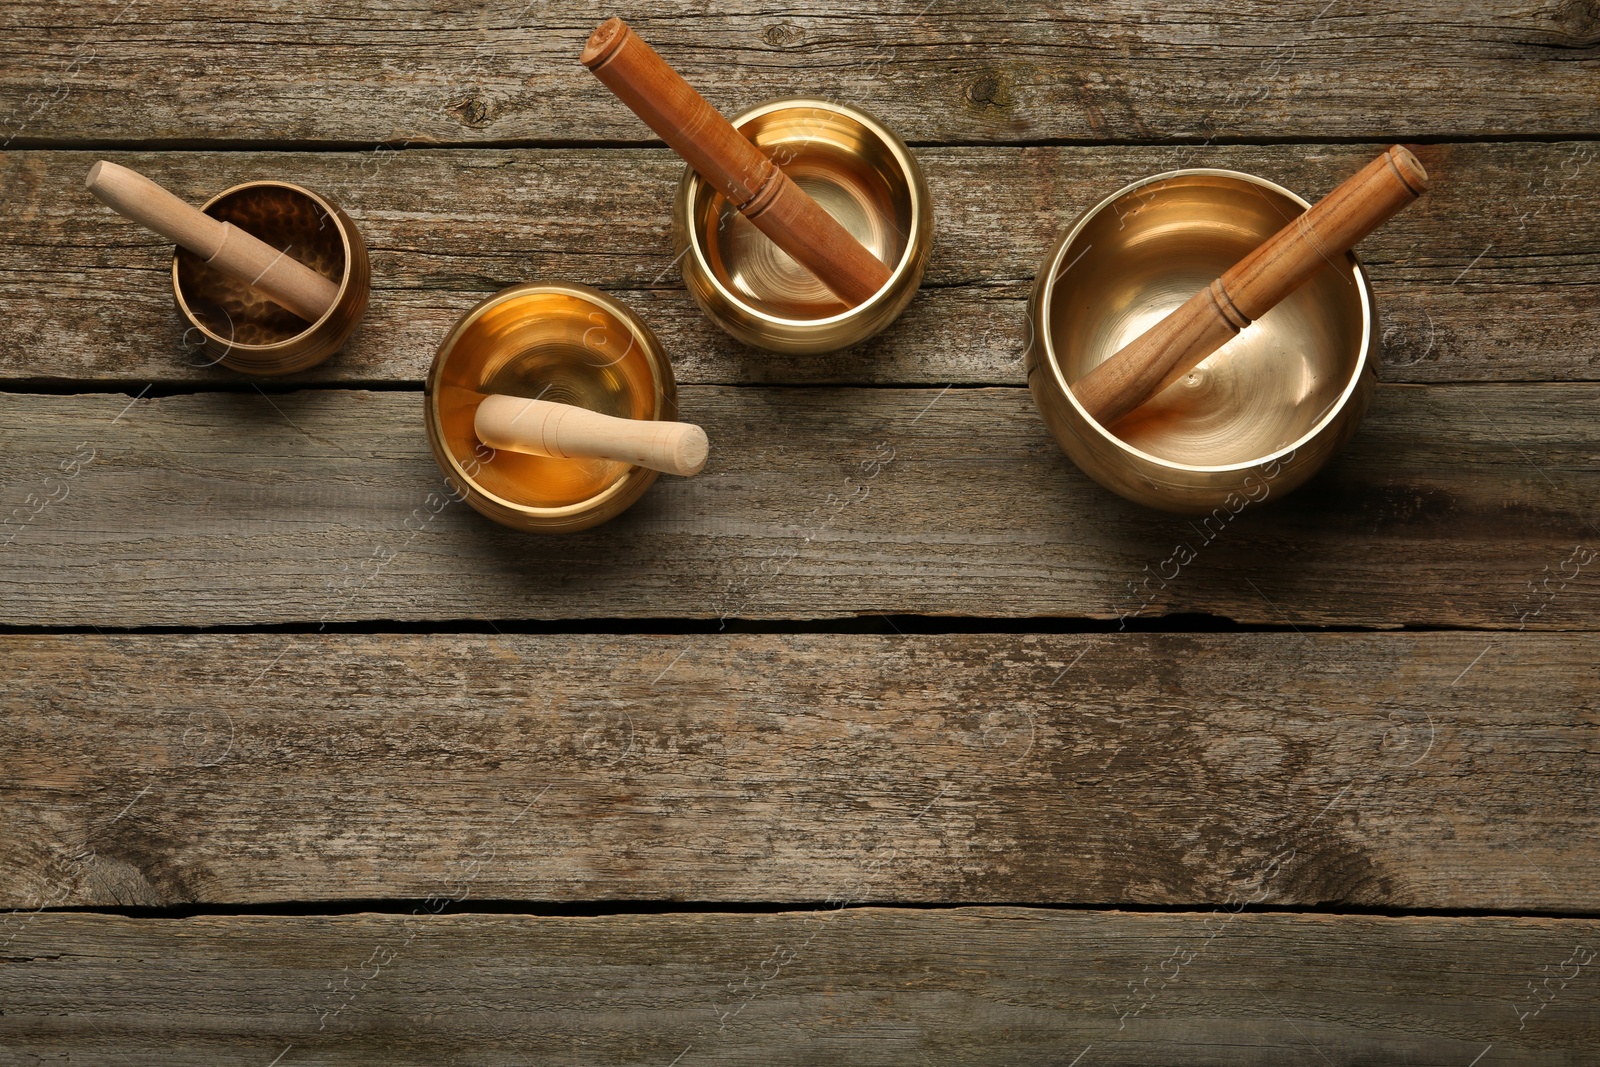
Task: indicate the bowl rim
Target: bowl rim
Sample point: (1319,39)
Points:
(332,212)
(656,357)
(903,157)
(1047,342)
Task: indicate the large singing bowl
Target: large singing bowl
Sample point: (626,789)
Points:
(1259,416)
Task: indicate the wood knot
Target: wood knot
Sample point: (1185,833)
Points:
(1579,21)
(1407,343)
(1571,24)
(473,110)
(782,35)
(990,90)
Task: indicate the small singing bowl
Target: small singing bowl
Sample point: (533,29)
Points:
(554,341)
(235,325)
(863,175)
(1259,416)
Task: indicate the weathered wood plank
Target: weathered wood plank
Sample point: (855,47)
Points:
(410,70)
(1408,771)
(853,985)
(1493,275)
(1454,506)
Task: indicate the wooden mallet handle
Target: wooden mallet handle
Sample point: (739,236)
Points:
(280,277)
(1252,287)
(562,431)
(733,166)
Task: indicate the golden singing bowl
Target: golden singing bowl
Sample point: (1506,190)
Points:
(235,325)
(554,341)
(855,168)
(1257,418)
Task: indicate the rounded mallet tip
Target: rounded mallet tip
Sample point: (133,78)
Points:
(693,451)
(603,42)
(1410,169)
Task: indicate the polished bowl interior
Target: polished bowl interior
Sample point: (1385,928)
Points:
(240,327)
(564,343)
(863,175)
(1146,255)
(1283,394)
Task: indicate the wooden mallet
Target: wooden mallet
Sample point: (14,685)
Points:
(539,427)
(732,165)
(1252,287)
(277,275)
(562,431)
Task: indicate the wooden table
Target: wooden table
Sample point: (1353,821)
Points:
(869,745)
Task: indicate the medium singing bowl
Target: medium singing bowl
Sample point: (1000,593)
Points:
(1259,416)
(561,342)
(863,175)
(238,327)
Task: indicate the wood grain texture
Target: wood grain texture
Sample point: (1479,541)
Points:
(411,70)
(1454,506)
(856,985)
(1492,276)
(1445,771)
